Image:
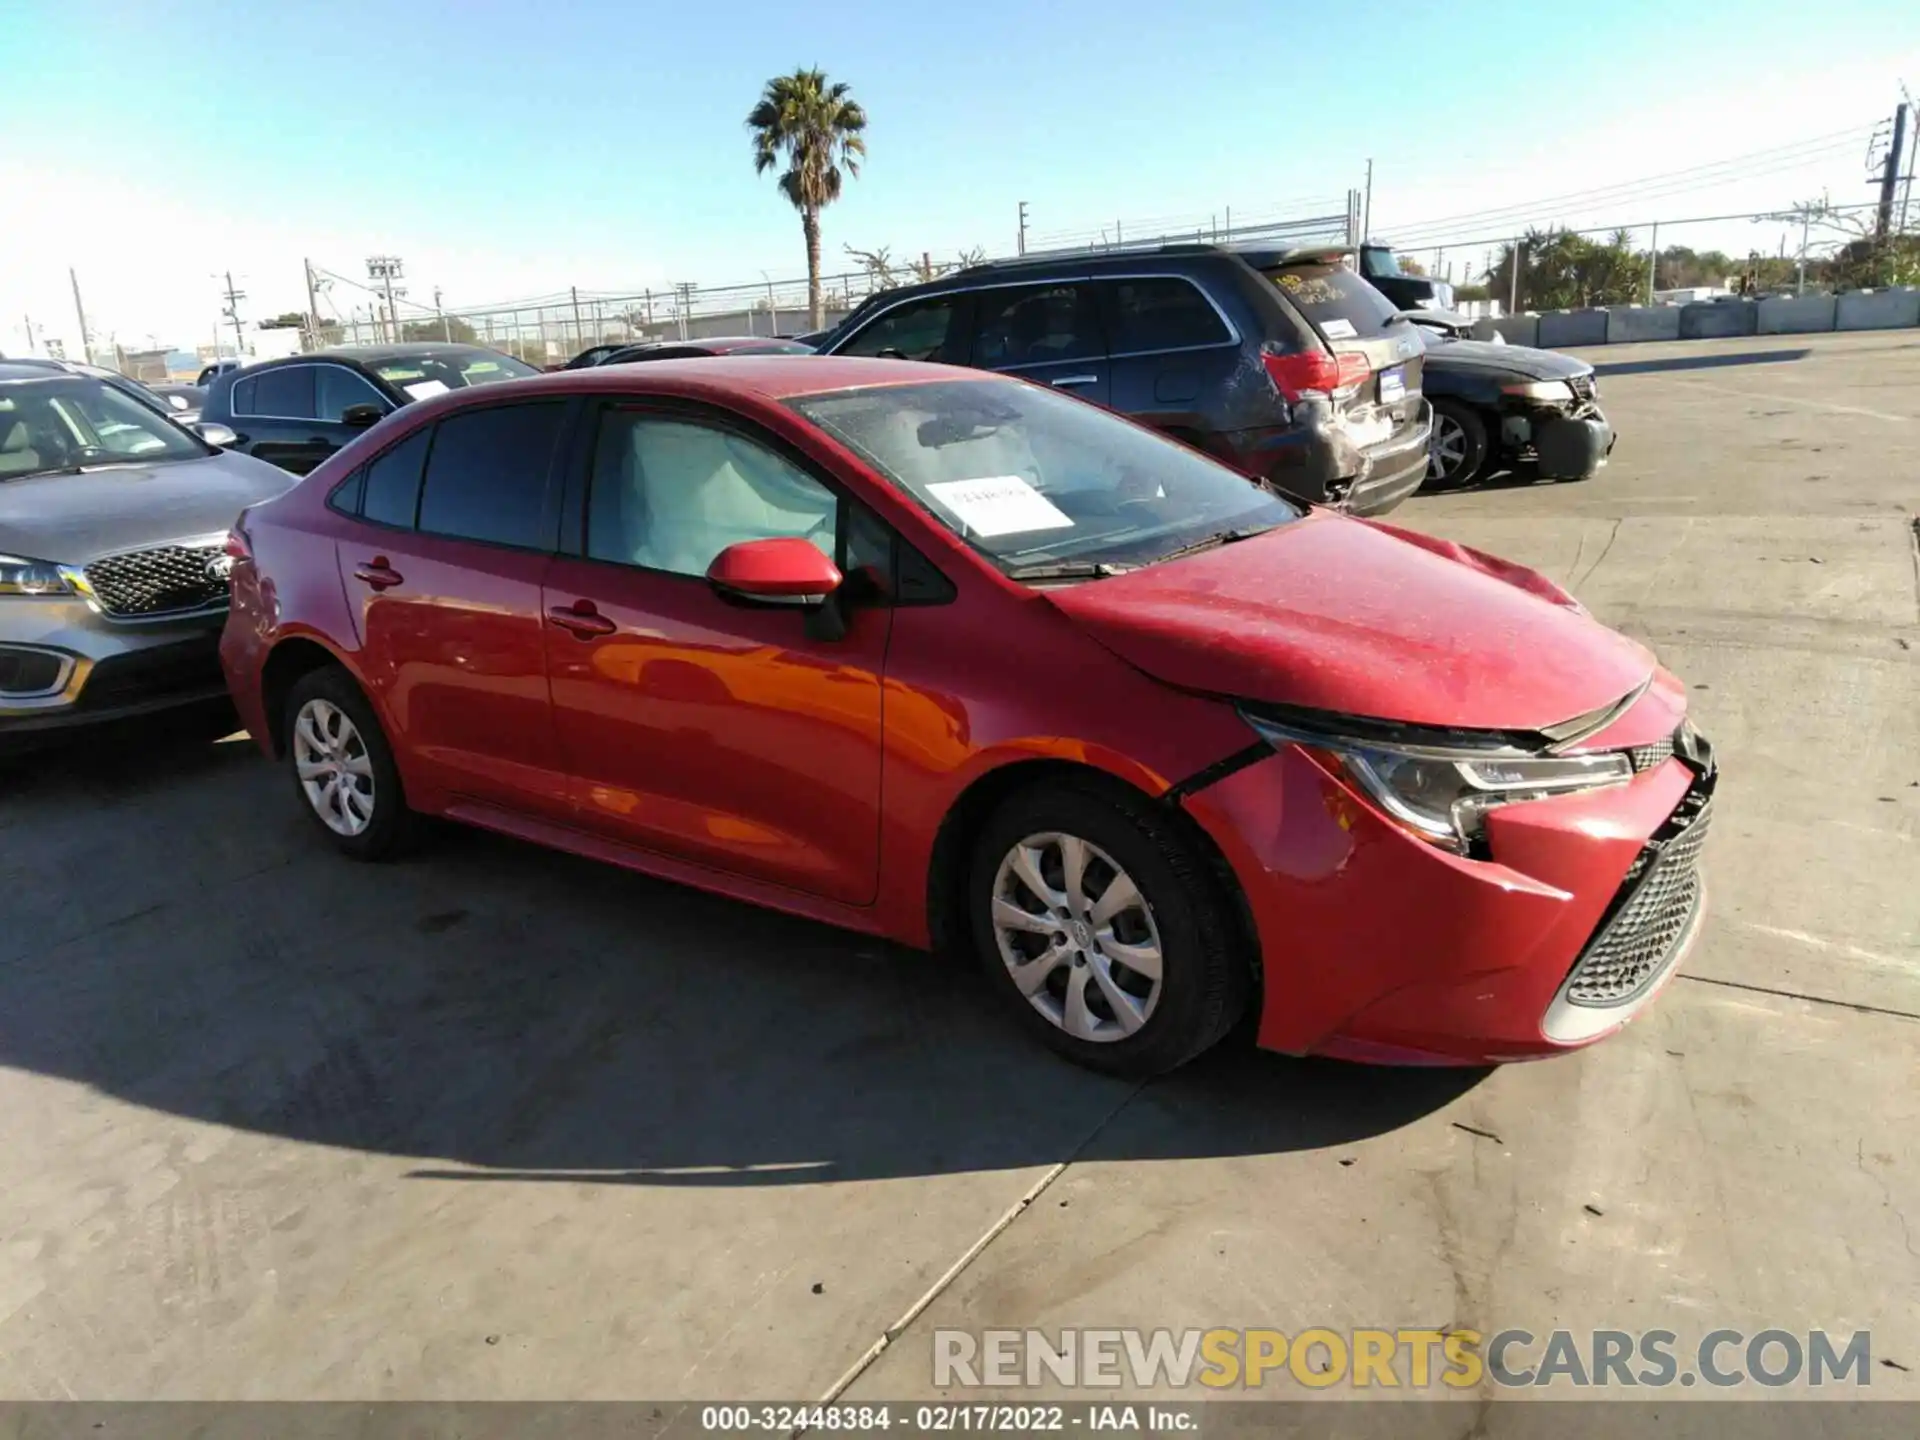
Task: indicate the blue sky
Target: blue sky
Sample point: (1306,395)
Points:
(511,149)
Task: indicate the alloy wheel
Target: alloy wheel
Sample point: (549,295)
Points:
(335,771)
(1077,936)
(1446,447)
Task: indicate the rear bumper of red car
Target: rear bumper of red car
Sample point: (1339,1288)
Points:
(1377,946)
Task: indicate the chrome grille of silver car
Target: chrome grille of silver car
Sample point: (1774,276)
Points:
(1662,892)
(163,580)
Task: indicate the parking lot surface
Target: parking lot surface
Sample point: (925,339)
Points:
(499,1123)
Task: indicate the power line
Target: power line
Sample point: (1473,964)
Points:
(1695,178)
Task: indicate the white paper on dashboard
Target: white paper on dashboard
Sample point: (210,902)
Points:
(999,505)
(1338,329)
(425,389)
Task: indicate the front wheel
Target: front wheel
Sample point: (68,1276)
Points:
(1457,448)
(1104,929)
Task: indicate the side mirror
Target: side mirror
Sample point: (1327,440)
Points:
(361,416)
(784,571)
(216,434)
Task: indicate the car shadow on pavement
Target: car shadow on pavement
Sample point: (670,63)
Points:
(493,1011)
(1697,362)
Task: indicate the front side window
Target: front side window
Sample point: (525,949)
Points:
(285,393)
(1163,314)
(1034,479)
(914,331)
(1037,325)
(487,474)
(671,494)
(336,388)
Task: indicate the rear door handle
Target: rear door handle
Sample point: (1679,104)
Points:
(1078,380)
(581,620)
(377,573)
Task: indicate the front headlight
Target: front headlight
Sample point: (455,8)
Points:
(20,576)
(1551,392)
(1443,795)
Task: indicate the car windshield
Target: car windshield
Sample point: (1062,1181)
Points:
(70,422)
(1033,479)
(421,376)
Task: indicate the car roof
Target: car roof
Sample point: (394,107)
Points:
(376,354)
(721,378)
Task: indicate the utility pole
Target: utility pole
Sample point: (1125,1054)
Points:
(1653,261)
(28,319)
(684,293)
(1023,227)
(446,325)
(1890,176)
(1906,193)
(386,269)
(1366,219)
(232,312)
(578,334)
(79,310)
(313,307)
(1513,277)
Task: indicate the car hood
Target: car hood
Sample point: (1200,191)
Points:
(1522,360)
(1334,614)
(73,519)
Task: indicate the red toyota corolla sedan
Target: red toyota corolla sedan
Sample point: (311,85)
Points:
(955,659)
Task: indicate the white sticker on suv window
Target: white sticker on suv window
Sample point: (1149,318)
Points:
(1338,329)
(427,389)
(999,505)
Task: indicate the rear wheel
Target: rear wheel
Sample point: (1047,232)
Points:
(1104,930)
(343,768)
(1457,449)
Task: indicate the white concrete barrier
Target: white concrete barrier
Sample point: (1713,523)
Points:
(1717,319)
(1878,309)
(1795,314)
(1514,329)
(1629,323)
(1562,328)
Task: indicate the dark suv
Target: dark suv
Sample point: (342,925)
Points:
(1284,364)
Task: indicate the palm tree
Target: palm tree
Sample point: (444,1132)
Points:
(815,128)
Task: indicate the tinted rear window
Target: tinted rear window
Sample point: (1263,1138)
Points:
(1163,314)
(487,478)
(1334,298)
(392,492)
(287,393)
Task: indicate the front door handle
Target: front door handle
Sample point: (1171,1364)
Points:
(1078,380)
(581,620)
(377,573)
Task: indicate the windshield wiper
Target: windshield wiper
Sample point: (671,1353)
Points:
(1067,570)
(1218,538)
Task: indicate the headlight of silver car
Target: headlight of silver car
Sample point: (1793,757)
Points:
(1550,392)
(20,576)
(1442,794)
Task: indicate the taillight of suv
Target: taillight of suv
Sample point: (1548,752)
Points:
(1315,374)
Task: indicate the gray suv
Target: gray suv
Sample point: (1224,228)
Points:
(1283,363)
(113,568)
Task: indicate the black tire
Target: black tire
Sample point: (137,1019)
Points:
(392,827)
(1206,978)
(1472,461)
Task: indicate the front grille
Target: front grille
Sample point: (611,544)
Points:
(189,667)
(162,581)
(1651,757)
(1660,895)
(1584,387)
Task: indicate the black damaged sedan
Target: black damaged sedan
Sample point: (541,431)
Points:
(1507,407)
